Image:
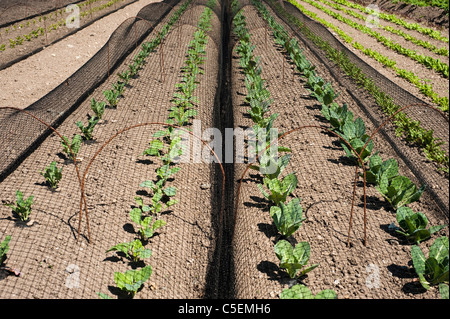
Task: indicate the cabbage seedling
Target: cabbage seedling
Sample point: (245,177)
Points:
(22,208)
(381,172)
(125,76)
(132,280)
(112,96)
(279,190)
(302,292)
(52,175)
(434,269)
(294,259)
(400,191)
(146,227)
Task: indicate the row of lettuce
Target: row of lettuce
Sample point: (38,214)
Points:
(398,190)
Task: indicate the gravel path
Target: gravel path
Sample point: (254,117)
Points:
(27,81)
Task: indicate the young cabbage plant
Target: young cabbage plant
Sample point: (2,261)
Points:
(125,76)
(400,191)
(337,115)
(88,130)
(413,225)
(133,250)
(132,280)
(4,248)
(98,108)
(302,292)
(279,189)
(73,145)
(294,259)
(22,208)
(52,175)
(266,160)
(434,269)
(287,217)
(147,227)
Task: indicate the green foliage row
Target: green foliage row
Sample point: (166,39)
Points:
(167,149)
(40,31)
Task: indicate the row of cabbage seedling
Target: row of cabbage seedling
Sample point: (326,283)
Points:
(397,189)
(167,147)
(22,207)
(286,214)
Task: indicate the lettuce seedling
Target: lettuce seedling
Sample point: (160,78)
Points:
(414,225)
(52,175)
(294,259)
(434,269)
(287,217)
(400,191)
(22,208)
(279,190)
(133,250)
(75,145)
(131,280)
(146,227)
(4,248)
(98,108)
(302,292)
(88,130)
